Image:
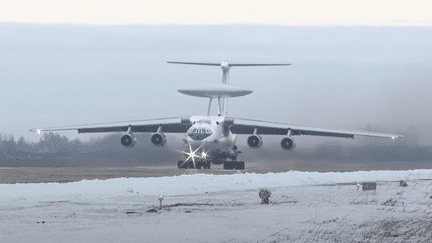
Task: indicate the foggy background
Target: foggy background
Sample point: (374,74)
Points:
(349,78)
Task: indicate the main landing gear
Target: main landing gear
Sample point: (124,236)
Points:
(205,164)
(234,165)
(200,164)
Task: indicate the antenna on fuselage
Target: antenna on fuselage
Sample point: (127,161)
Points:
(224,93)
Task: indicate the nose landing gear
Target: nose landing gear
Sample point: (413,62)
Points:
(185,164)
(203,163)
(216,157)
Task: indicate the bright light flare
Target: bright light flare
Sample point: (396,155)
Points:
(38,131)
(193,153)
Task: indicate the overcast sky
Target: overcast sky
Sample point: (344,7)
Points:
(309,12)
(352,65)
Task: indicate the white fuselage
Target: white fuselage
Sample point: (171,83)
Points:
(207,132)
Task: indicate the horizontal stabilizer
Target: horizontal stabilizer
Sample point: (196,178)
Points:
(246,65)
(197,63)
(228,64)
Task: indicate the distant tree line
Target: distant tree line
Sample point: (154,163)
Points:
(54,150)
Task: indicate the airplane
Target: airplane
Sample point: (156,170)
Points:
(212,139)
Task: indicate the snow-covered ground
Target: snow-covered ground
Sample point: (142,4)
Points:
(305,206)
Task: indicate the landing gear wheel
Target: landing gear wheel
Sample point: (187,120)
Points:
(234,165)
(240,165)
(198,164)
(186,165)
(228,165)
(207,165)
(190,165)
(180,166)
(202,164)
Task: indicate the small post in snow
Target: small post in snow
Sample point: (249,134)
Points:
(160,200)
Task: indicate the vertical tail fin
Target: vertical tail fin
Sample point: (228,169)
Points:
(225,80)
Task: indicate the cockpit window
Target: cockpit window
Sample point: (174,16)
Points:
(199,133)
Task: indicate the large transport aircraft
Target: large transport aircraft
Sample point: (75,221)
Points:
(212,139)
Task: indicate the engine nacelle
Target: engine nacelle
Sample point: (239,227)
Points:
(186,121)
(128,140)
(158,139)
(254,141)
(288,143)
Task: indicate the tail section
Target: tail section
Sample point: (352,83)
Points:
(222,93)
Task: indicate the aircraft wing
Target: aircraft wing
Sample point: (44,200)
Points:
(167,125)
(248,126)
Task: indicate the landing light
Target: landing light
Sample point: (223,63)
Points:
(38,132)
(192,154)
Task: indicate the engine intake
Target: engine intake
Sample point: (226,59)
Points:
(288,143)
(158,139)
(128,140)
(255,141)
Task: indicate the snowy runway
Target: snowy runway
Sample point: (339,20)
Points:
(216,208)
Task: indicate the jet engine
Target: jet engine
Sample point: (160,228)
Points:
(255,141)
(128,140)
(288,143)
(158,139)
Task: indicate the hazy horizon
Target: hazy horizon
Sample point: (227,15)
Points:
(342,77)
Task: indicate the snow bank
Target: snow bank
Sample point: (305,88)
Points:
(200,183)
